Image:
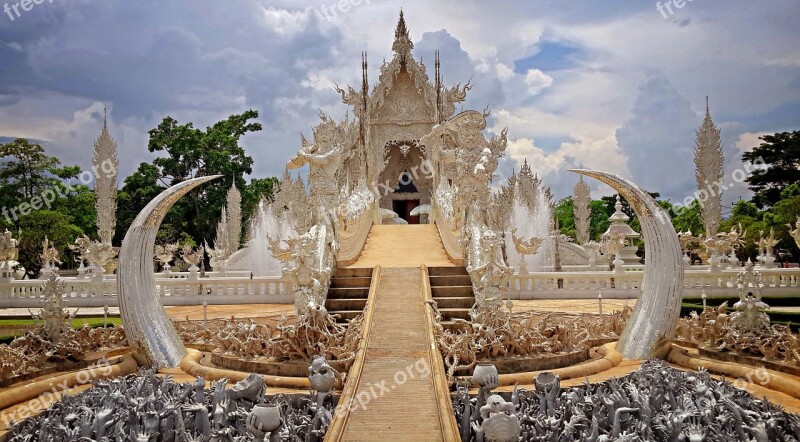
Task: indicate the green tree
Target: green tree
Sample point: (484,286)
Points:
(138,190)
(57,226)
(780,153)
(26,171)
(39,198)
(564,214)
(784,214)
(599,222)
(257,190)
(191,153)
(688,218)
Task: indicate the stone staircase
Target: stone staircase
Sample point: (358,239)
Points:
(451,288)
(347,295)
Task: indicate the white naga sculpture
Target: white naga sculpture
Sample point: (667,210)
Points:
(148,328)
(656,314)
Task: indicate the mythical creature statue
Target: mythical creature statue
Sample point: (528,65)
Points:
(50,257)
(164,254)
(9,248)
(307,271)
(490,274)
(524,248)
(332,145)
(796,232)
(192,256)
(9,253)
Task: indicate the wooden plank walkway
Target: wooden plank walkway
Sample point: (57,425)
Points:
(403,246)
(396,389)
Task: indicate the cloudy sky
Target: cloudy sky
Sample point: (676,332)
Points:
(616,86)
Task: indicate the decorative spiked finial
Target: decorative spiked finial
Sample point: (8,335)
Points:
(708,110)
(402,41)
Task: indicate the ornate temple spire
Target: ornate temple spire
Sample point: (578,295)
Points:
(234,205)
(582,210)
(437,67)
(105,168)
(402,45)
(709,160)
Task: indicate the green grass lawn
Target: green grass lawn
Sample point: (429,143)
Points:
(76,323)
(93,321)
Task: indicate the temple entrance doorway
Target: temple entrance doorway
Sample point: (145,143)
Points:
(403,209)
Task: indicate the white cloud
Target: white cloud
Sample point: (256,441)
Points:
(537,81)
(281,57)
(285,22)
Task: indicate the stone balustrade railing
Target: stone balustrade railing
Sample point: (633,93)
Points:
(352,240)
(451,239)
(258,290)
(173,291)
(585,285)
(183,275)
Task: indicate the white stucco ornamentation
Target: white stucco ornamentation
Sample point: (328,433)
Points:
(709,160)
(581,198)
(656,314)
(147,326)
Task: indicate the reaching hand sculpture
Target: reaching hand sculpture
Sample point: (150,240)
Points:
(653,403)
(147,407)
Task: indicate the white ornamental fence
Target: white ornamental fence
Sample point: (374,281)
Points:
(585,285)
(240,288)
(173,291)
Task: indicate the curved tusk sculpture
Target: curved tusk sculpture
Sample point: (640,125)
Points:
(147,326)
(658,309)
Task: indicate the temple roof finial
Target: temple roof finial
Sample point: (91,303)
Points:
(708,110)
(402,41)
